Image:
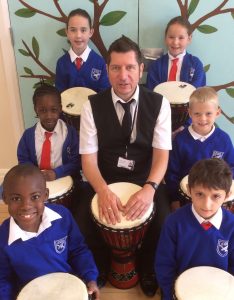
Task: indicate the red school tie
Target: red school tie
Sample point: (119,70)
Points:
(173,71)
(206,225)
(79,61)
(45,153)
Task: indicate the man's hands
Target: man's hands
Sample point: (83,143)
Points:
(110,206)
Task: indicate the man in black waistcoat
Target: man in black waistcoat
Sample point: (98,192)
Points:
(114,150)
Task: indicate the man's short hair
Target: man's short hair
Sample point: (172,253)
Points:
(212,173)
(124,45)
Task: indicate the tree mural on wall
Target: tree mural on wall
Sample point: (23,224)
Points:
(187,8)
(29,11)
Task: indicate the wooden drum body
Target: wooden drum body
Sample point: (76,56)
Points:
(60,191)
(72,102)
(185,198)
(177,93)
(123,238)
(204,283)
(54,286)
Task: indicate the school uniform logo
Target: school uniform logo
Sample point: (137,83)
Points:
(95,74)
(217,154)
(60,244)
(222,248)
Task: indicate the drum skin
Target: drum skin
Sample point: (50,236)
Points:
(72,103)
(177,93)
(204,283)
(60,191)
(123,238)
(54,286)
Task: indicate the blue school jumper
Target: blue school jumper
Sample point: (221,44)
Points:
(59,248)
(186,151)
(92,74)
(185,244)
(191,72)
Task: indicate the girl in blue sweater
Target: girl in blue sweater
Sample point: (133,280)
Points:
(91,72)
(201,233)
(38,239)
(178,35)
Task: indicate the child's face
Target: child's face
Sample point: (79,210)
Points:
(79,33)
(25,196)
(48,110)
(203,116)
(206,201)
(177,39)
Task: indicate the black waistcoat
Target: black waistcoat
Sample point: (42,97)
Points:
(111,144)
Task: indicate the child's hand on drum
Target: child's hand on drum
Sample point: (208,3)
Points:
(138,204)
(93,290)
(49,175)
(109,206)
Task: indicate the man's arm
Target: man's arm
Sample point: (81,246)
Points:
(140,201)
(109,204)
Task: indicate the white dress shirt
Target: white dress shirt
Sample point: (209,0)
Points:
(199,137)
(162,129)
(84,55)
(57,140)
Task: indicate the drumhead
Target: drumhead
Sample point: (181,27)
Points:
(177,92)
(204,283)
(54,286)
(183,185)
(59,186)
(123,190)
(74,98)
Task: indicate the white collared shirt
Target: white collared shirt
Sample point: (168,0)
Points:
(199,137)
(15,232)
(216,220)
(84,55)
(179,64)
(162,129)
(57,140)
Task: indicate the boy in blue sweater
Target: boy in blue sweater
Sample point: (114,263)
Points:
(80,66)
(64,157)
(38,239)
(200,140)
(201,233)
(178,35)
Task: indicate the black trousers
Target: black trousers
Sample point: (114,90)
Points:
(81,210)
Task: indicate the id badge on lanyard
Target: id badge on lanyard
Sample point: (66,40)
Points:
(124,162)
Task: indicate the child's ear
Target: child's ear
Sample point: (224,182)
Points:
(91,32)
(218,113)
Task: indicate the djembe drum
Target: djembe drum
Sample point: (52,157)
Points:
(54,286)
(185,198)
(60,191)
(177,93)
(72,102)
(123,238)
(204,283)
